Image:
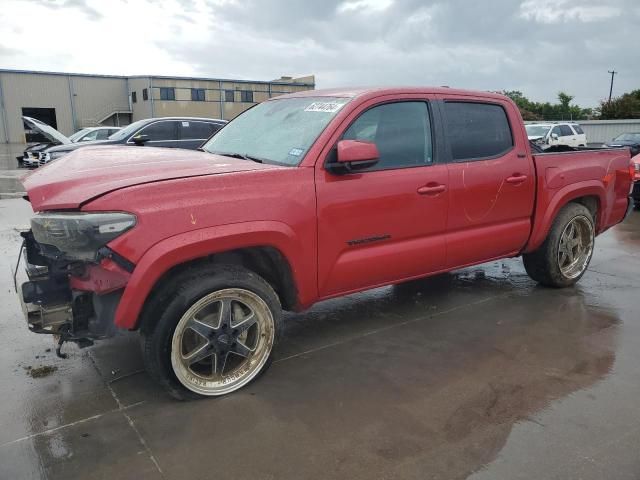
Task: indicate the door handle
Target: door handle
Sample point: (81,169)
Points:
(431,189)
(516,179)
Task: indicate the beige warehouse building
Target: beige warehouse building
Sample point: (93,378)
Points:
(71,101)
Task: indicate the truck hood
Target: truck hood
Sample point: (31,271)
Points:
(49,132)
(90,172)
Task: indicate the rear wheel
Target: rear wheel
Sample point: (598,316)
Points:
(565,254)
(214,334)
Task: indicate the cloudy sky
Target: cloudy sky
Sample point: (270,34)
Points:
(537,46)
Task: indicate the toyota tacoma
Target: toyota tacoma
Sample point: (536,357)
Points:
(302,198)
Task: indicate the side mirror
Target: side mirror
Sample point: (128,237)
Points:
(140,140)
(354,155)
(554,136)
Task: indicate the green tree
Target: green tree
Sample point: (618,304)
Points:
(563,110)
(565,100)
(625,106)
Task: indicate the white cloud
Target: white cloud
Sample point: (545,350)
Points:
(364,6)
(563,11)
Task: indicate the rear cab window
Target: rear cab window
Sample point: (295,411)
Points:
(476,130)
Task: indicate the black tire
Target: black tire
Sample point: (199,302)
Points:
(167,307)
(542,264)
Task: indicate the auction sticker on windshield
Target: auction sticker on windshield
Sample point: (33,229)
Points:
(326,107)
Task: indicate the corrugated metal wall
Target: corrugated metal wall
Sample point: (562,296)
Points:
(95,99)
(79,101)
(142,108)
(85,100)
(39,91)
(215,105)
(600,131)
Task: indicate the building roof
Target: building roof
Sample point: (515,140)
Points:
(282,81)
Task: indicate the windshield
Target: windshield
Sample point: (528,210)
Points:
(628,137)
(128,130)
(79,134)
(278,131)
(537,130)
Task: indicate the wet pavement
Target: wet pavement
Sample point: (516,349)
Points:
(477,374)
(9,170)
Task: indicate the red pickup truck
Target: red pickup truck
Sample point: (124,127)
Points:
(302,198)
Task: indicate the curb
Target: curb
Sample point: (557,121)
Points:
(7,195)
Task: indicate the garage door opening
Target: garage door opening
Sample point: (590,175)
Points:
(45,115)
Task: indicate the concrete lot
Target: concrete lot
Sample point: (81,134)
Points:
(478,374)
(9,171)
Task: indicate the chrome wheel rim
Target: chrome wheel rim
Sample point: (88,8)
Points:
(576,247)
(222,342)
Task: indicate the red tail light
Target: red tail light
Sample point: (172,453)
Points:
(634,169)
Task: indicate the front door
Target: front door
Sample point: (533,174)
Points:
(163,133)
(387,223)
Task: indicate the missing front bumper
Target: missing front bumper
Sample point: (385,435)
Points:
(52,306)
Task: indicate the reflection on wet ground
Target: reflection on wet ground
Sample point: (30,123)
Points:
(478,373)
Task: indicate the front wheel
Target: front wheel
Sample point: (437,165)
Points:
(565,254)
(214,334)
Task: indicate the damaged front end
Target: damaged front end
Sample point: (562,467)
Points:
(75,281)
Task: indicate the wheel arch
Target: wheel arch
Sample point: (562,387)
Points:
(271,253)
(590,194)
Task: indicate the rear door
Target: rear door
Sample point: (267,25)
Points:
(194,133)
(386,223)
(491,180)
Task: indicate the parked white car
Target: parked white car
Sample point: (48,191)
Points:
(550,134)
(90,134)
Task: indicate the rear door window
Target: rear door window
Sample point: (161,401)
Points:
(197,130)
(102,134)
(578,129)
(477,130)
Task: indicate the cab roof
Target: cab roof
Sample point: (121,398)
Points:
(353,92)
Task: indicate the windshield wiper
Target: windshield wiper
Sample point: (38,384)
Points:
(242,156)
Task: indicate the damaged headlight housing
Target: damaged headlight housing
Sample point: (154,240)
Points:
(80,235)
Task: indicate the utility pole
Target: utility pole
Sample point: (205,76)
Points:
(612,72)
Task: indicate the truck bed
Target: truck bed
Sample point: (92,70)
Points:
(599,177)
